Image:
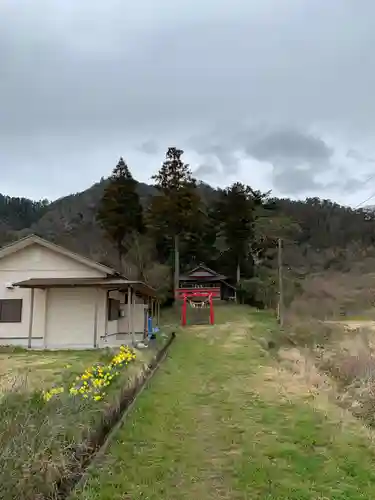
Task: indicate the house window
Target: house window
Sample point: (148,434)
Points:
(10,310)
(113,309)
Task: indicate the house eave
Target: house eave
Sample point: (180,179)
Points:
(218,277)
(108,283)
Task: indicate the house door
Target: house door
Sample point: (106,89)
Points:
(70,318)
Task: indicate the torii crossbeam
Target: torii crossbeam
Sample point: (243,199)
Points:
(192,294)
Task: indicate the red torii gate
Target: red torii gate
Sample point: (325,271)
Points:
(196,293)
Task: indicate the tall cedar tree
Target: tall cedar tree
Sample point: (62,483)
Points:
(120,210)
(235,212)
(174,213)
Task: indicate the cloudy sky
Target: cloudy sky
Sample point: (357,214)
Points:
(275,93)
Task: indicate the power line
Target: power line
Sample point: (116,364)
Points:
(365,201)
(370,197)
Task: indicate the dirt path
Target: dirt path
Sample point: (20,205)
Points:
(210,428)
(355,324)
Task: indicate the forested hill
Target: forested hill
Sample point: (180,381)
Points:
(321,226)
(70,221)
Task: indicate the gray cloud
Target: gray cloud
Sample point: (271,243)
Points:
(81,83)
(301,163)
(295,181)
(148,147)
(205,171)
(289,145)
(355,155)
(352,185)
(296,157)
(359,157)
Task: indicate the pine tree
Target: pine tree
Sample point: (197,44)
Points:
(174,175)
(235,213)
(175,211)
(120,210)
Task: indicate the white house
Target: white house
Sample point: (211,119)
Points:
(54,299)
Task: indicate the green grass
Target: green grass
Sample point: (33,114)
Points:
(43,442)
(33,370)
(206,428)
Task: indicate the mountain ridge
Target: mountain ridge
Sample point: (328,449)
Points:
(71,221)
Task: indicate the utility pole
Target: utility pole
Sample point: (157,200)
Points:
(176,280)
(280,307)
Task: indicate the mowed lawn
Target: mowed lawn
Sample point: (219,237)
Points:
(33,370)
(212,426)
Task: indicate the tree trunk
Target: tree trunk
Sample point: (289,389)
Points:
(238,272)
(176,263)
(120,253)
(238,278)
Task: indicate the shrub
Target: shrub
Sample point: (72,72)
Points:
(311,333)
(38,442)
(359,398)
(46,438)
(347,368)
(332,295)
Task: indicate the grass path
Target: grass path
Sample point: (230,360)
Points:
(207,429)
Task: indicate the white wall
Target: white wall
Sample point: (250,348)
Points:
(121,326)
(71,317)
(138,311)
(34,262)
